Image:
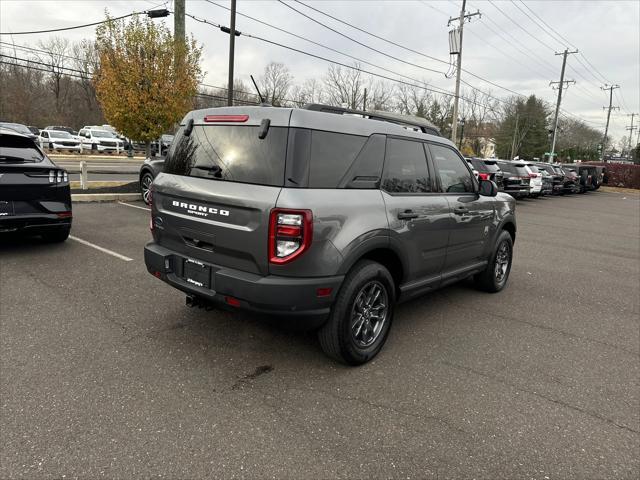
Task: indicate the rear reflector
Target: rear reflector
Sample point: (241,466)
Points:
(234,302)
(157,274)
(324,292)
(226,118)
(64,214)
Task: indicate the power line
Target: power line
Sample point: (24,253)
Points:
(72,28)
(317,43)
(521,27)
(359,42)
(404,46)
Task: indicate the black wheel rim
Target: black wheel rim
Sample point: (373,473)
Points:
(145,185)
(369,314)
(503,257)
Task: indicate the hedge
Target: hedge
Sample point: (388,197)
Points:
(623,175)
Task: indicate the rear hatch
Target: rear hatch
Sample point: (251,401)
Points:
(220,182)
(29,182)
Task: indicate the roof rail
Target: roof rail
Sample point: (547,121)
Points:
(404,120)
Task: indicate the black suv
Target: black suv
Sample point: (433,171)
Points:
(489,170)
(323,215)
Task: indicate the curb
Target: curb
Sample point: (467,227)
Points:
(104,197)
(75,184)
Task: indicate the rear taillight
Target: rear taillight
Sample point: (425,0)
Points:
(151,225)
(290,234)
(483,176)
(58,176)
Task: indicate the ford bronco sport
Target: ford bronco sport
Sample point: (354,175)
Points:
(324,215)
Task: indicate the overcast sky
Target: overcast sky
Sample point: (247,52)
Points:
(504,46)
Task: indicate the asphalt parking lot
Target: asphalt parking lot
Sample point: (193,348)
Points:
(106,373)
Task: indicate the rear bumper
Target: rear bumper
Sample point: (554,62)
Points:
(271,294)
(517,192)
(33,224)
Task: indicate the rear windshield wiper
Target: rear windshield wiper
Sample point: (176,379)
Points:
(8,158)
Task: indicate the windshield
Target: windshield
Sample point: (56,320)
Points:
(18,149)
(17,127)
(59,134)
(230,153)
(533,168)
(102,134)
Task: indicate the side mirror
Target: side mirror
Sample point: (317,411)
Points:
(488,188)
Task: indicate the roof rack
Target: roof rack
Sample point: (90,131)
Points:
(404,120)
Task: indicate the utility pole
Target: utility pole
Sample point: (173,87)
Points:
(560,84)
(631,128)
(364,101)
(463,17)
(178,21)
(513,142)
(611,88)
(232,43)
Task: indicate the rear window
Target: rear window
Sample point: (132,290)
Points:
(18,149)
(229,153)
(485,166)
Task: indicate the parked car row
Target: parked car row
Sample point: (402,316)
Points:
(522,179)
(96,138)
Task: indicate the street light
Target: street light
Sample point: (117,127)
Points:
(160,13)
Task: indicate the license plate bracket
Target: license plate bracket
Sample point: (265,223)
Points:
(6,208)
(196,273)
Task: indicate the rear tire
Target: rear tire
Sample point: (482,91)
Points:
(495,275)
(58,235)
(361,316)
(145,185)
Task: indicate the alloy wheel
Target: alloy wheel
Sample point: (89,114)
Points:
(369,313)
(503,257)
(145,186)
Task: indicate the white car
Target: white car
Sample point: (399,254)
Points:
(58,140)
(100,140)
(535,180)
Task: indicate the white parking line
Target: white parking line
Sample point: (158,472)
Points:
(134,206)
(102,249)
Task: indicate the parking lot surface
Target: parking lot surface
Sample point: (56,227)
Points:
(106,373)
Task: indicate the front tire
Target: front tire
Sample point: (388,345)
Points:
(361,315)
(495,275)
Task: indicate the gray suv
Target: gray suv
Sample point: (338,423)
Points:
(331,218)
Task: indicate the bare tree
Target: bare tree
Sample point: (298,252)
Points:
(344,86)
(85,62)
(379,95)
(309,92)
(275,83)
(413,100)
(55,56)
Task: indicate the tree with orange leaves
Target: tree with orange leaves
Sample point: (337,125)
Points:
(145,81)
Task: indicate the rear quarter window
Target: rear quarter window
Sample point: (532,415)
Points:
(229,153)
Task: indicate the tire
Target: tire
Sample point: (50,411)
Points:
(58,235)
(340,337)
(145,183)
(491,280)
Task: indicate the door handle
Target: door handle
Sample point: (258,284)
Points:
(460,210)
(407,215)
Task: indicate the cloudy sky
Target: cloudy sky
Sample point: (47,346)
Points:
(506,45)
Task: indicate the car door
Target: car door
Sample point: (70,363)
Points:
(418,218)
(471,214)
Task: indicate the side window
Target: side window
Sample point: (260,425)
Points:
(452,171)
(405,167)
(45,134)
(82,133)
(331,156)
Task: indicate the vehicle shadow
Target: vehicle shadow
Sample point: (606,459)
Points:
(12,243)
